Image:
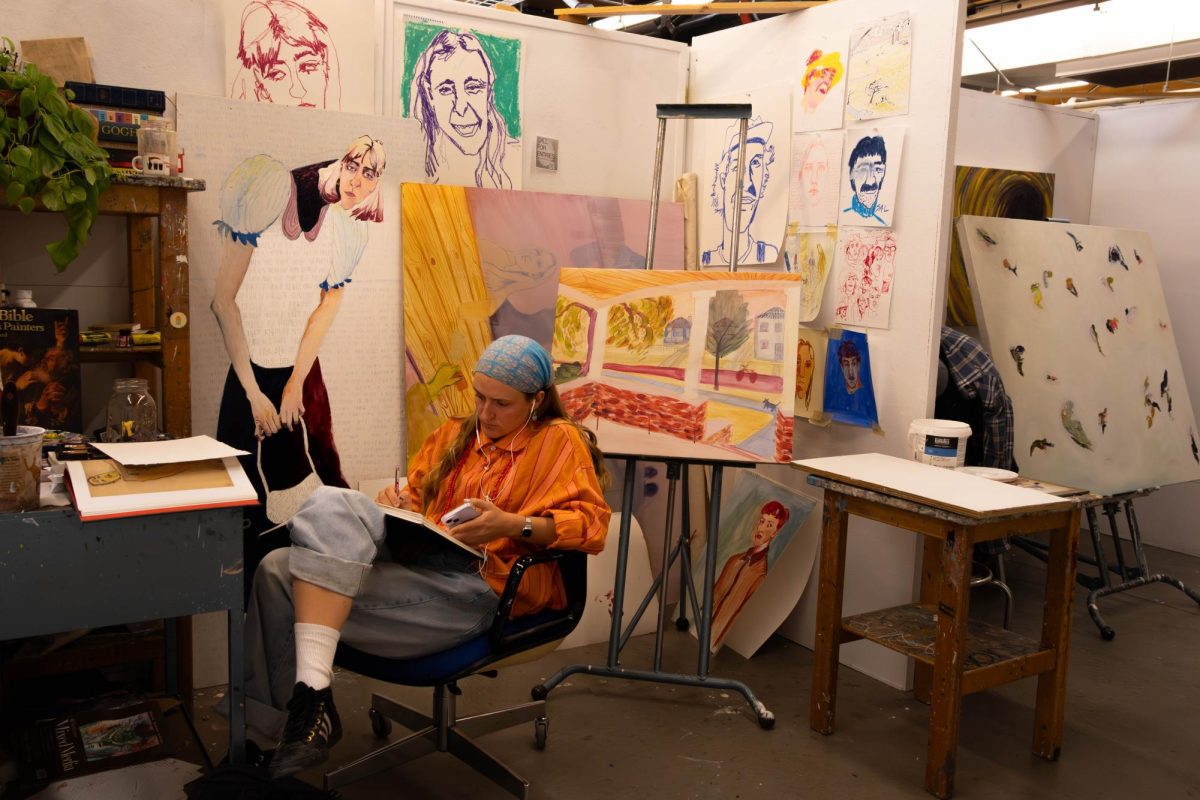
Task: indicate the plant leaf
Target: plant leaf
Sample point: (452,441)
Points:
(64,252)
(20,155)
(13,192)
(56,128)
(52,197)
(28,102)
(26,205)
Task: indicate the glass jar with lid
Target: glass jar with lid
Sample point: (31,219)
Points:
(132,412)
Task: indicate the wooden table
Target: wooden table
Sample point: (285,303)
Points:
(954,657)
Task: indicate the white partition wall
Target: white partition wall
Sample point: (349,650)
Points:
(1006,133)
(594,91)
(882,563)
(1143,181)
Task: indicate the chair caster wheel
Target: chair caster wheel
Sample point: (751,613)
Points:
(1107,634)
(766,720)
(541,727)
(381,726)
(681,624)
(538,692)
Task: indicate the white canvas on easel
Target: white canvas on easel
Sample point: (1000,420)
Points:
(1076,321)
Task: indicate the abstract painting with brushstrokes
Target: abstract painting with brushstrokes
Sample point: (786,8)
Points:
(482,263)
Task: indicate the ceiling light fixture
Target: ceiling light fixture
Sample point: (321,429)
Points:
(1009,93)
(1054,87)
(1027,90)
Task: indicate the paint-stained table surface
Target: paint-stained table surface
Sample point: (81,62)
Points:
(953,655)
(58,573)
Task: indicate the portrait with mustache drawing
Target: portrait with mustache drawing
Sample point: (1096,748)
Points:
(868,169)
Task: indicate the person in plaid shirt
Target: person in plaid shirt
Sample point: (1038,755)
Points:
(970,390)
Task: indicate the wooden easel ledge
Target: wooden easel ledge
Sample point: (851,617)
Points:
(781,7)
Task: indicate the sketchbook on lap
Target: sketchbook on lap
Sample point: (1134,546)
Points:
(409,523)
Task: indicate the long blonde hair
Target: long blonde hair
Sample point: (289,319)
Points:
(549,410)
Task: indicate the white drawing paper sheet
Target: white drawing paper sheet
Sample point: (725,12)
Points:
(281,286)
(311,53)
(863,276)
(821,92)
(870,176)
(462,89)
(764,200)
(880,68)
(815,180)
(1075,318)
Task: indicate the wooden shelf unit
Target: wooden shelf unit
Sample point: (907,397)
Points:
(154,209)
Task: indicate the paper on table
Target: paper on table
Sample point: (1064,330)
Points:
(167,451)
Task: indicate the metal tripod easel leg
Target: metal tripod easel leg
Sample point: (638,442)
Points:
(702,613)
(1131,576)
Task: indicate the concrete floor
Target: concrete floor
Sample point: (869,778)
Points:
(1130,720)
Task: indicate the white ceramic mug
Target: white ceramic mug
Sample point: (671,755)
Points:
(153,164)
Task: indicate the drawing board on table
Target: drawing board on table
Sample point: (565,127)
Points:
(811,351)
(308,53)
(809,253)
(863,276)
(671,364)
(822,91)
(870,177)
(462,87)
(482,263)
(1077,323)
(765,169)
(816,179)
(764,559)
(989,192)
(880,68)
(849,386)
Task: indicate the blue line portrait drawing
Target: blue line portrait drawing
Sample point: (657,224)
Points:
(760,154)
(868,168)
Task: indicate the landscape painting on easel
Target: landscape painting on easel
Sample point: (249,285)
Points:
(1076,321)
(482,263)
(668,364)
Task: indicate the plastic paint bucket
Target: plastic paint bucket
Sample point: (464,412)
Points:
(939,442)
(21,469)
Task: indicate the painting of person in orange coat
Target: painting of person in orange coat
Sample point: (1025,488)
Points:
(744,572)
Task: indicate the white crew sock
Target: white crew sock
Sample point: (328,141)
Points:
(315,646)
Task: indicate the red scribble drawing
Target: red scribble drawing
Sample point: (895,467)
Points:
(286,56)
(865,276)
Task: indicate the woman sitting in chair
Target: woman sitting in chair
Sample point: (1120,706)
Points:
(535,477)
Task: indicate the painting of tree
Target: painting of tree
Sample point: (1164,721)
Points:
(570,327)
(728,327)
(639,324)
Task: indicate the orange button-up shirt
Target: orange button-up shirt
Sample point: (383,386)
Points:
(545,471)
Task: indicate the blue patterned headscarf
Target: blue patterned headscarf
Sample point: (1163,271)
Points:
(517,361)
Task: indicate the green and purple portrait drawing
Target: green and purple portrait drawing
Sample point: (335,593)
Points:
(464,89)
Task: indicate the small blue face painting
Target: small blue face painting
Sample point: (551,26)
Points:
(849,392)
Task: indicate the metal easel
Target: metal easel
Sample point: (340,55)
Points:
(1131,577)
(702,610)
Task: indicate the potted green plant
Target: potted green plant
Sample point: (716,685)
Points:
(47,153)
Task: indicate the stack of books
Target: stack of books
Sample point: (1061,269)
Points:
(119,111)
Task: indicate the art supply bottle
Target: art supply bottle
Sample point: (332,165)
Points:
(23,298)
(132,412)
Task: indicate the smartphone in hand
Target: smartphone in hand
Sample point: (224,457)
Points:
(459,515)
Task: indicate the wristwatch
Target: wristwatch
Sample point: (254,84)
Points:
(527,530)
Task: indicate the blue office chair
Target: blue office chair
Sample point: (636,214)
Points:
(508,642)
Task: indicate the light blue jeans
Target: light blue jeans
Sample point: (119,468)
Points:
(399,610)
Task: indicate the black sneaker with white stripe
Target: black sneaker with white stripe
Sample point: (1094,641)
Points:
(312,729)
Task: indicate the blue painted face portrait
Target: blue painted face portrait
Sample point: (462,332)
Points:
(868,168)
